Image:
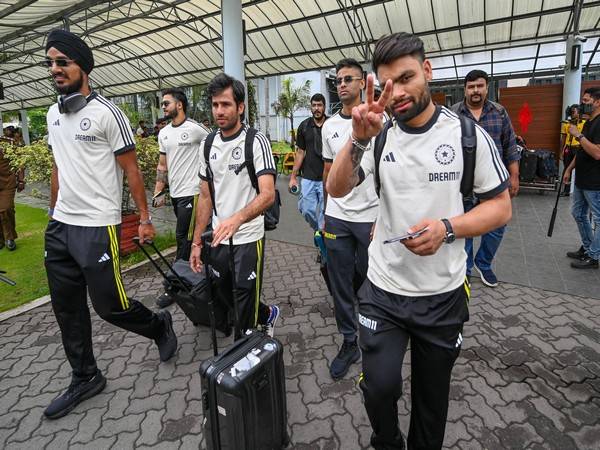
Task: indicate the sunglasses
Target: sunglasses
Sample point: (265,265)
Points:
(165,104)
(59,62)
(346,80)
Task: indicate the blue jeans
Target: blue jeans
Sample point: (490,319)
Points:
(489,243)
(310,203)
(584,201)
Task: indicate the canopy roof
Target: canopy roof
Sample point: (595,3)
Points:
(146,45)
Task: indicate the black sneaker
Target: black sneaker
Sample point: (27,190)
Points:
(11,245)
(347,355)
(167,342)
(75,394)
(164,300)
(579,254)
(585,263)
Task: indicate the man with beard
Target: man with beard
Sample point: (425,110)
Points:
(416,288)
(309,162)
(228,196)
(93,146)
(586,192)
(180,152)
(493,118)
(348,220)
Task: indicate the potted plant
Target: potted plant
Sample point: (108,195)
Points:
(37,160)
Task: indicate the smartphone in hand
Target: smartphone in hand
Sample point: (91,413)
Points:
(406,236)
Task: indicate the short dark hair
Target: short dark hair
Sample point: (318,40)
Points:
(318,97)
(589,90)
(475,75)
(396,45)
(223,81)
(348,62)
(595,93)
(178,95)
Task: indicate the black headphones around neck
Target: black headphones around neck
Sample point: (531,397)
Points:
(72,103)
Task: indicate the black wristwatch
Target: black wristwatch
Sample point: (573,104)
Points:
(450,236)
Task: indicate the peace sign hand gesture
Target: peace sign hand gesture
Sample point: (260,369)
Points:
(367,118)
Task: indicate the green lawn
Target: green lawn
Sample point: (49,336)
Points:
(26,264)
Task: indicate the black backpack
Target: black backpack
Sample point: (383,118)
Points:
(272,213)
(469,147)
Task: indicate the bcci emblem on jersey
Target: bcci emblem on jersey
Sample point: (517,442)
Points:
(444,154)
(236,153)
(184,136)
(85,124)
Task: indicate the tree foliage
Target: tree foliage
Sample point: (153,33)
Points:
(290,100)
(252,106)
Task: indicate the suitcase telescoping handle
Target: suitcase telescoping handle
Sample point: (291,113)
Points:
(140,244)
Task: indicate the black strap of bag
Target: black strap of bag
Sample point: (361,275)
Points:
(469,148)
(209,173)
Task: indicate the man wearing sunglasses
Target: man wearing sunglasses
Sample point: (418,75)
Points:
(348,220)
(179,146)
(93,146)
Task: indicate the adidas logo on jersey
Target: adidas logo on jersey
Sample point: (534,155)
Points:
(252,276)
(57,123)
(213,156)
(389,157)
(104,258)
(335,135)
(189,205)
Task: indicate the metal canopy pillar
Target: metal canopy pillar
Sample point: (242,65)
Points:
(573,71)
(25,126)
(573,66)
(233,42)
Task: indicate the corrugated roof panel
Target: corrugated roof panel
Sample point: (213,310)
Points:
(509,54)
(470,11)
(377,20)
(463,71)
(473,58)
(524,6)
(553,23)
(421,15)
(499,32)
(443,74)
(496,9)
(442,62)
(472,36)
(446,14)
(450,40)
(399,17)
(514,66)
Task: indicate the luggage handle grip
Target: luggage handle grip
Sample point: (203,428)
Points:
(140,244)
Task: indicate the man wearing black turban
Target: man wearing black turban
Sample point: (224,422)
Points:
(93,146)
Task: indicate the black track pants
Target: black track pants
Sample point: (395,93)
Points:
(433,325)
(185,212)
(347,261)
(248,266)
(79,257)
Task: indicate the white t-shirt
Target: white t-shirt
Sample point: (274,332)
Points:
(420,172)
(234,192)
(181,146)
(360,205)
(85,145)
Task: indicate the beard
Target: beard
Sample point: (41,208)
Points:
(477,102)
(419,105)
(170,114)
(317,115)
(70,88)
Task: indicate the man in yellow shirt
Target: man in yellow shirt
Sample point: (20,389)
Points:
(569,143)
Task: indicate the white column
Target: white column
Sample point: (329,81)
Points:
(233,41)
(25,126)
(573,71)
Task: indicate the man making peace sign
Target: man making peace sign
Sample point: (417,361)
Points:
(416,288)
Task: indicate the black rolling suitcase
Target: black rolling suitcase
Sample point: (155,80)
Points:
(528,165)
(189,290)
(243,388)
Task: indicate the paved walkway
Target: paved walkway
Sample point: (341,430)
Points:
(528,375)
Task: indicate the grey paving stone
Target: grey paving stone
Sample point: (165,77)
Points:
(525,377)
